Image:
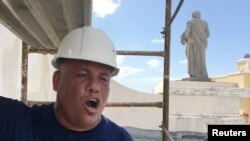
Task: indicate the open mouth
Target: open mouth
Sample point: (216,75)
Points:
(92,105)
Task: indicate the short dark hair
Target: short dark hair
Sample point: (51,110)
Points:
(60,61)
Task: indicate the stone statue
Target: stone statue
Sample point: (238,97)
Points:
(195,37)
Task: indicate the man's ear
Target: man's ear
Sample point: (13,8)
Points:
(56,79)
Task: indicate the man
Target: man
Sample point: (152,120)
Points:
(85,63)
(195,37)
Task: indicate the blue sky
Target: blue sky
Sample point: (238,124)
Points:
(136,25)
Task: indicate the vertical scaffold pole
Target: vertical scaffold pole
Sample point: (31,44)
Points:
(167,33)
(25,53)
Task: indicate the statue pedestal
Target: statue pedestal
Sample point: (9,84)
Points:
(194,105)
(197,79)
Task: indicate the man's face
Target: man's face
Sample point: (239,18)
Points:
(82,92)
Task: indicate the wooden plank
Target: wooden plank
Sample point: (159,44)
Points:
(67,13)
(37,11)
(10,21)
(73,9)
(26,19)
(87,7)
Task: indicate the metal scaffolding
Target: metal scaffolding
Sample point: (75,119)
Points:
(166,76)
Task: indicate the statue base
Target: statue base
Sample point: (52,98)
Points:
(197,79)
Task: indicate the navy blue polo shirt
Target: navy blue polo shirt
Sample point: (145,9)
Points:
(19,122)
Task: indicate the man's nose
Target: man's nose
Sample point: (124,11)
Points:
(93,86)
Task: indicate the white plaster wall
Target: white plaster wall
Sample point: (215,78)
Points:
(10,64)
(199,123)
(205,105)
(145,118)
(40,78)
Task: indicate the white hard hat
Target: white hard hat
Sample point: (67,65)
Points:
(88,43)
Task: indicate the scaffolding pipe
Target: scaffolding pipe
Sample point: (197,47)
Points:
(24,88)
(167,36)
(118,52)
(43,51)
(167,133)
(111,104)
(141,53)
(135,104)
(175,13)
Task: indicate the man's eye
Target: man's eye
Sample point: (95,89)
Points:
(104,79)
(82,74)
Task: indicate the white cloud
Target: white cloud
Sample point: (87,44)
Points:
(120,59)
(183,61)
(125,71)
(157,41)
(154,63)
(102,8)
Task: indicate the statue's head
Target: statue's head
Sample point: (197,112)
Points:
(247,55)
(196,14)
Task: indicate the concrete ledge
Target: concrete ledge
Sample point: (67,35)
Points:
(204,104)
(199,123)
(195,84)
(156,135)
